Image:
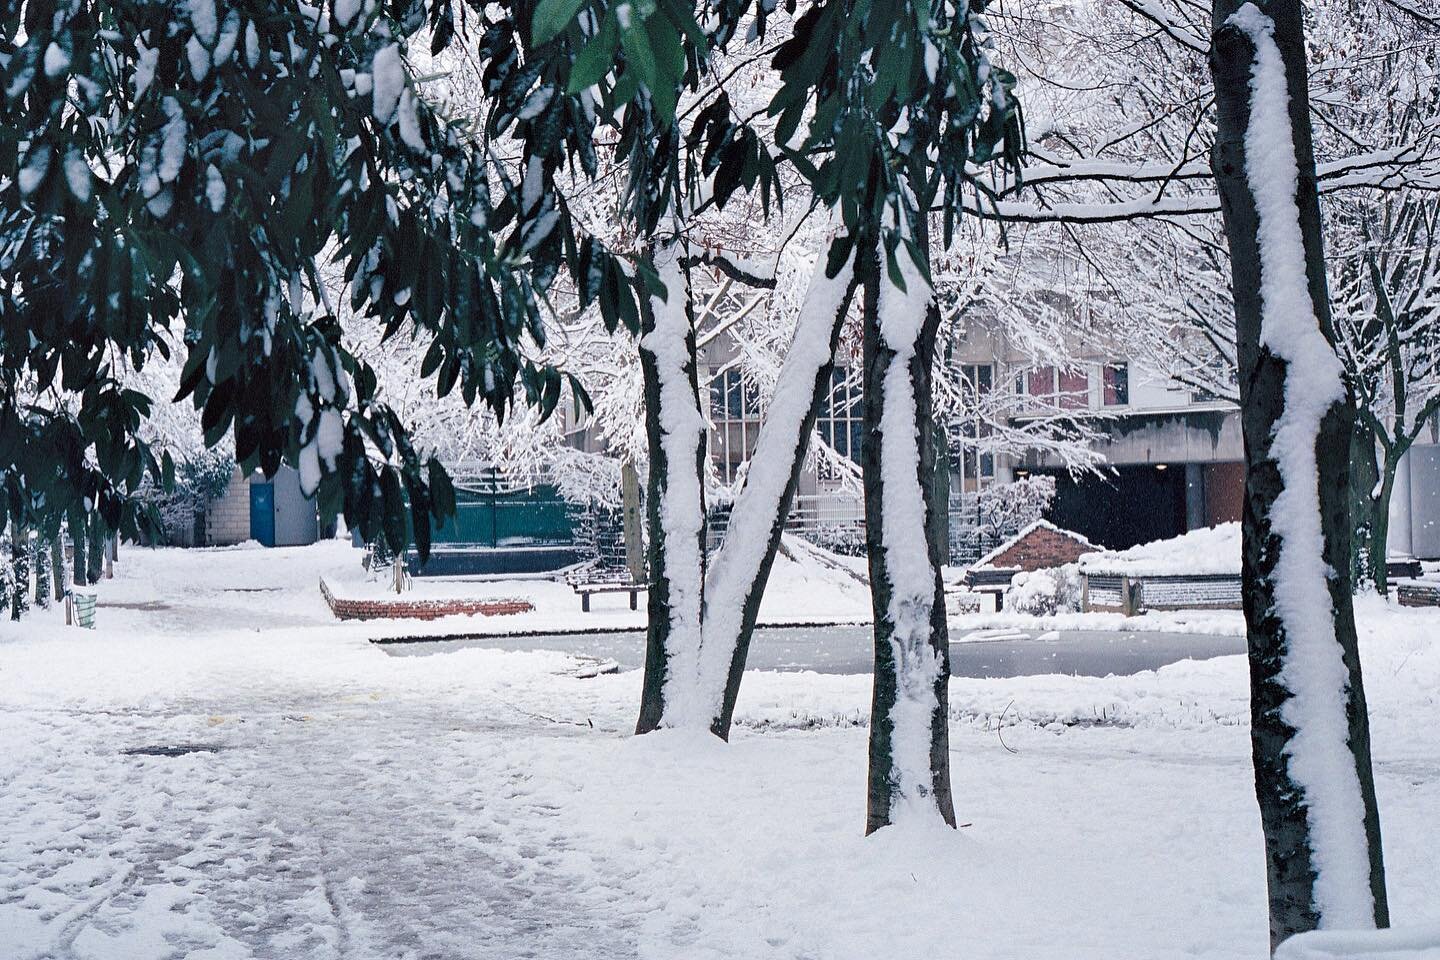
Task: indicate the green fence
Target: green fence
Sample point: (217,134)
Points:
(509,518)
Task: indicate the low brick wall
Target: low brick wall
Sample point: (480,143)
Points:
(373,609)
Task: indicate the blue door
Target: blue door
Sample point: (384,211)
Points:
(262,513)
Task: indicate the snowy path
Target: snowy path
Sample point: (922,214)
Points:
(349,804)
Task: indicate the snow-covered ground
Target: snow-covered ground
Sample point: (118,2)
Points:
(349,804)
(809,593)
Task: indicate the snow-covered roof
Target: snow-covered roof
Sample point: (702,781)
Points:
(1209,550)
(984,563)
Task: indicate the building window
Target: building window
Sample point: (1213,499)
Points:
(840,422)
(735,415)
(1116,378)
(1064,388)
(976,466)
(1074,392)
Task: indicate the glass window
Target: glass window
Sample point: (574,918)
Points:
(976,468)
(840,422)
(1041,382)
(1074,389)
(735,413)
(1117,385)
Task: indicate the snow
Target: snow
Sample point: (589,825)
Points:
(1204,551)
(1417,943)
(203,19)
(57,60)
(173,141)
(756,509)
(682,510)
(389,80)
(901,316)
(146,60)
(410,133)
(32,174)
(77,175)
(214,188)
(1314,671)
(345,11)
(492,804)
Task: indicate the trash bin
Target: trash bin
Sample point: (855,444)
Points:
(85,610)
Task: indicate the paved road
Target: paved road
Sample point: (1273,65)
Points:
(1003,653)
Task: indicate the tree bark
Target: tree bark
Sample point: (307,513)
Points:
(77,540)
(1313,878)
(40,561)
(95,541)
(910,699)
(1379,552)
(57,566)
(675,494)
(1364,478)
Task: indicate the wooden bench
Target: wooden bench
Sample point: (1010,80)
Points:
(586,589)
(594,578)
(992,580)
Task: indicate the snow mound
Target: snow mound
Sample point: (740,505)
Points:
(1415,943)
(1209,550)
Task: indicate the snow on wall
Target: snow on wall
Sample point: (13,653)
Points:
(681,507)
(1314,672)
(758,505)
(901,316)
(1208,550)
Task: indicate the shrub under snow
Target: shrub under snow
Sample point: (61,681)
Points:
(1044,593)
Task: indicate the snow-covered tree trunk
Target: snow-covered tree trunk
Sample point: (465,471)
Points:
(40,562)
(675,508)
(1364,482)
(909,738)
(57,566)
(1309,728)
(741,568)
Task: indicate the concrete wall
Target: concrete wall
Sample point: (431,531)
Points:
(1415,504)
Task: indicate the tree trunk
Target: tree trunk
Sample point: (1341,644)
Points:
(1379,544)
(77,540)
(675,498)
(95,540)
(40,560)
(57,565)
(940,497)
(20,570)
(1309,727)
(909,738)
(1364,478)
(742,567)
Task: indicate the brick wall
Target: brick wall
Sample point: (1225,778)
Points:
(1041,548)
(382,609)
(227,519)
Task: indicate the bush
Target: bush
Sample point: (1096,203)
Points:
(846,539)
(1044,593)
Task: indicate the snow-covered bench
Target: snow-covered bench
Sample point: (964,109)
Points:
(589,580)
(1418,593)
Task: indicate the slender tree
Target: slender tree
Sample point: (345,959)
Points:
(1309,728)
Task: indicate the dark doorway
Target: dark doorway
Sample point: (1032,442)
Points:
(1125,506)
